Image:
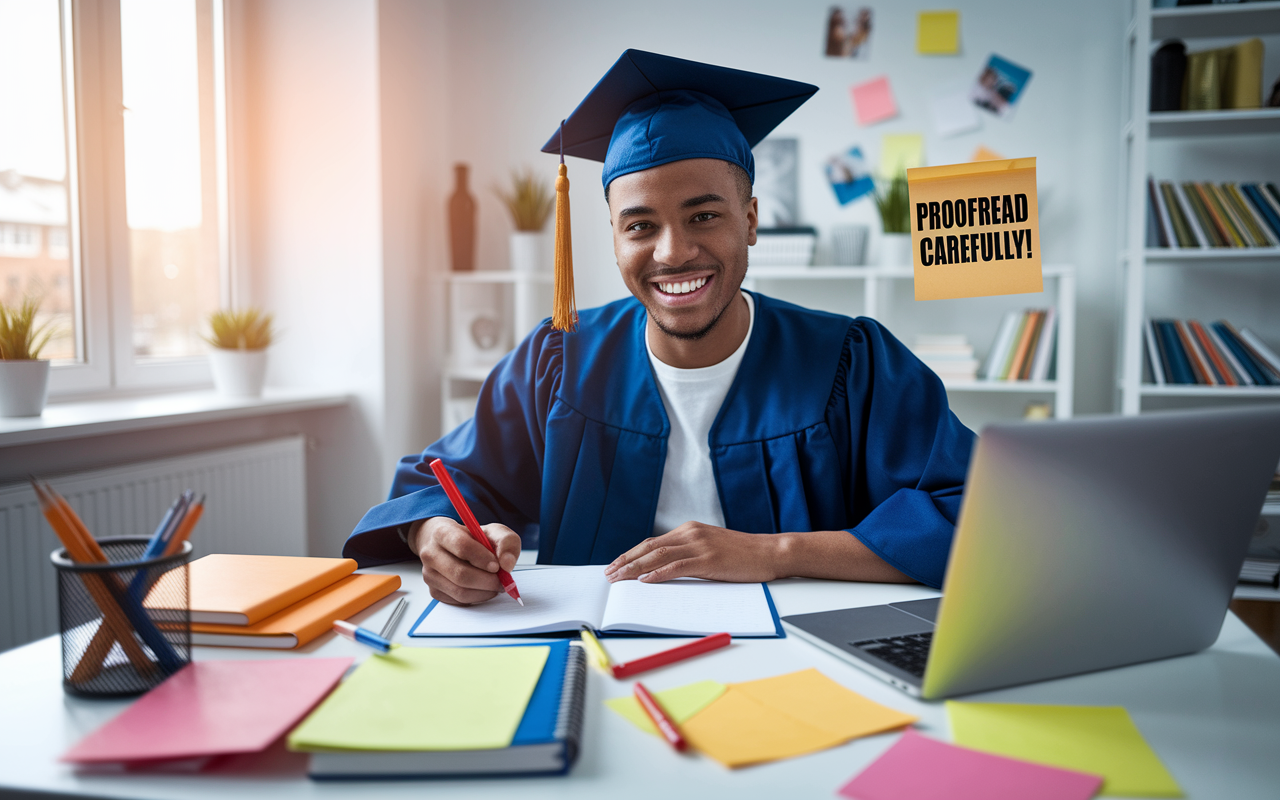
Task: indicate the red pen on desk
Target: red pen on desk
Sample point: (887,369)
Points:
(660,719)
(473,527)
(695,648)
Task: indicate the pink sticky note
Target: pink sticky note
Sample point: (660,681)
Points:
(919,768)
(873,101)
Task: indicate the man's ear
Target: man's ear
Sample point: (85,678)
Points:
(753,220)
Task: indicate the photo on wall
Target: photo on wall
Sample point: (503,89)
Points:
(777,186)
(848,175)
(999,86)
(848,33)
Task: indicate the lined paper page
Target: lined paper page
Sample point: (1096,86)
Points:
(689,606)
(558,599)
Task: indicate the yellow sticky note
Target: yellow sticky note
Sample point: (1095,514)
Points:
(1101,740)
(975,229)
(984,153)
(816,700)
(900,152)
(789,715)
(938,33)
(680,704)
(427,698)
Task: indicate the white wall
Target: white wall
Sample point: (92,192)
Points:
(517,68)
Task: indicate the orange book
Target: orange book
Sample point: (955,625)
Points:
(302,621)
(1211,353)
(1201,370)
(1034,318)
(243,590)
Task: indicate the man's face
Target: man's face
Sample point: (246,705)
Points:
(680,233)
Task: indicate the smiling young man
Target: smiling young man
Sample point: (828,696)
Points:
(694,429)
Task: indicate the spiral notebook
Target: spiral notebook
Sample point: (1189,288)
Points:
(567,598)
(546,741)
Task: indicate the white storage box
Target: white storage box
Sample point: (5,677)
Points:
(783,247)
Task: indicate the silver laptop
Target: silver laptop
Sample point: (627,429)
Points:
(1081,545)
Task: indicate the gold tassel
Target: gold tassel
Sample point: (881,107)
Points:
(564,314)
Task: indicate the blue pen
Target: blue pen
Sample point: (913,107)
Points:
(172,519)
(363,636)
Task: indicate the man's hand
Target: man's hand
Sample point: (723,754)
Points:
(696,550)
(459,570)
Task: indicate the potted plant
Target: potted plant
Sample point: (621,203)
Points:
(24,376)
(530,202)
(894,204)
(239,355)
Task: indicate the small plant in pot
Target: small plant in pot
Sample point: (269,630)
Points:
(239,355)
(24,376)
(894,204)
(530,202)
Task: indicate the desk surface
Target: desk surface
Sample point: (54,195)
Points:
(1213,717)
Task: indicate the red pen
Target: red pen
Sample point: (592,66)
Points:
(660,719)
(695,648)
(473,527)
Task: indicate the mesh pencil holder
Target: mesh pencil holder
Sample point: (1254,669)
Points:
(125,624)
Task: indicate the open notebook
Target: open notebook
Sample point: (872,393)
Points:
(566,598)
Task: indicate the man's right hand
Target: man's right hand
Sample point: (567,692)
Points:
(459,570)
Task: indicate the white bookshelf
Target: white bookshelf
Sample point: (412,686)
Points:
(876,279)
(1212,132)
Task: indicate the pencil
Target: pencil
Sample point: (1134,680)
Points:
(184,530)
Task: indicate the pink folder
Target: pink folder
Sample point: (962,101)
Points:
(213,708)
(919,768)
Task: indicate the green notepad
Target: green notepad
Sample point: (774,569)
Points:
(1100,740)
(427,698)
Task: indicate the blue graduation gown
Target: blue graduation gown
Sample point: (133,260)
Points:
(830,424)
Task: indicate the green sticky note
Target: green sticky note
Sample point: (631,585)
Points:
(1101,740)
(938,33)
(427,698)
(900,152)
(680,704)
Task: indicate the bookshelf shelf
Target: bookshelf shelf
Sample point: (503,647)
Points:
(1190,22)
(1014,387)
(1187,143)
(1232,122)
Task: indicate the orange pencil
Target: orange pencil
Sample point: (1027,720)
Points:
(184,530)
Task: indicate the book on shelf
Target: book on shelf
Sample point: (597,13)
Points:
(1024,346)
(1195,214)
(1190,353)
(950,356)
(1220,78)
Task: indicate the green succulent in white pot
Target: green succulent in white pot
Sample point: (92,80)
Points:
(238,357)
(24,376)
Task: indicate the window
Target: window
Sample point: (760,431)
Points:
(112,183)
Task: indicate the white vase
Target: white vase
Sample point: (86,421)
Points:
(24,387)
(238,373)
(529,251)
(895,250)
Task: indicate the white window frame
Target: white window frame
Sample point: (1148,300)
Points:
(98,233)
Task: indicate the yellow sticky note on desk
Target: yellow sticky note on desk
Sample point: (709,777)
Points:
(938,33)
(975,229)
(680,704)
(1101,740)
(427,698)
(789,715)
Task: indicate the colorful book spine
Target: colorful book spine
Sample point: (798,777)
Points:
(1176,358)
(1271,373)
(1242,376)
(1018,335)
(1241,216)
(1214,202)
(1258,375)
(1269,212)
(1000,346)
(1216,362)
(1044,352)
(1198,368)
(1160,216)
(1024,345)
(1153,353)
(1200,216)
(1182,232)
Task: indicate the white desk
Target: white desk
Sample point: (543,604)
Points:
(1214,718)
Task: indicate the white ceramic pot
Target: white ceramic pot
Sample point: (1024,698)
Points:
(24,387)
(238,373)
(895,250)
(529,251)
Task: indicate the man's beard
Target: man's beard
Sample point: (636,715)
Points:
(698,334)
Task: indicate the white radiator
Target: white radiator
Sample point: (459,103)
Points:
(256,504)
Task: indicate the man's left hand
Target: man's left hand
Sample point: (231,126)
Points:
(697,550)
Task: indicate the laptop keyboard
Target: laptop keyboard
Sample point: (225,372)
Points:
(907,653)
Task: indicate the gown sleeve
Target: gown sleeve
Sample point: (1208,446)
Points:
(910,455)
(495,458)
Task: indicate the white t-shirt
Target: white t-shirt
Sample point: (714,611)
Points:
(693,398)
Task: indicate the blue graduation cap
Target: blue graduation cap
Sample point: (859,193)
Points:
(651,109)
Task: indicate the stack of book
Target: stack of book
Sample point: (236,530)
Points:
(950,356)
(1024,346)
(277,602)
(1197,214)
(1186,352)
